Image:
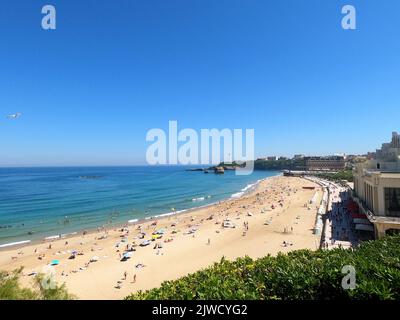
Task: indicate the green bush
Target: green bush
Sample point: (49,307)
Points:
(299,275)
(10,289)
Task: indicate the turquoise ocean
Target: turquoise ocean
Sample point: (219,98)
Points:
(36,203)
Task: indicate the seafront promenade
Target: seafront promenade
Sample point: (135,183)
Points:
(338,230)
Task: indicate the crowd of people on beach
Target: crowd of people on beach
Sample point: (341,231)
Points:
(131,239)
(338,230)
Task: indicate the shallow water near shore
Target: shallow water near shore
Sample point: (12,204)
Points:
(42,202)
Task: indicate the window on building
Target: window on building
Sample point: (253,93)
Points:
(392,202)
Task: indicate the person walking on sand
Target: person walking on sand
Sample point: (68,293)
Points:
(134,278)
(209,241)
(125,275)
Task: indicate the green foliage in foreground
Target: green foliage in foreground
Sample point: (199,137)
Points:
(10,289)
(299,275)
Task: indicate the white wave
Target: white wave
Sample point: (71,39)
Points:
(248,187)
(169,214)
(68,234)
(14,243)
(164,214)
(198,199)
(237,195)
(133,221)
(53,237)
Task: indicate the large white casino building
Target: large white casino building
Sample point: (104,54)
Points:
(377,188)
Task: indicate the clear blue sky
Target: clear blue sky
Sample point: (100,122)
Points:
(112,70)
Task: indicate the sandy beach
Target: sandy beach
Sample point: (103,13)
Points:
(278,210)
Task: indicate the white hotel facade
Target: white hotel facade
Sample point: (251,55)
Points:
(377,188)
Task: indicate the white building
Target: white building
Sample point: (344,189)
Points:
(377,188)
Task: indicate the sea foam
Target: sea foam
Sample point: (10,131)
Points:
(14,243)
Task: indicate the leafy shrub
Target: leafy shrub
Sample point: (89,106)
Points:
(298,275)
(10,289)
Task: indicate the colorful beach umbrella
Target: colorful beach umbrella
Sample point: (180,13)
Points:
(55,262)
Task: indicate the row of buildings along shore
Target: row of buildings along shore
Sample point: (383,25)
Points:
(314,163)
(376,191)
(340,162)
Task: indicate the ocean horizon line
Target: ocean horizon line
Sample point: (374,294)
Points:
(105,166)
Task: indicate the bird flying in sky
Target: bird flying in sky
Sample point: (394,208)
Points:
(14,116)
